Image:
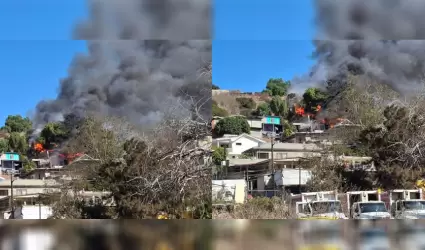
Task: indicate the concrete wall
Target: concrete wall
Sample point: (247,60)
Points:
(237,187)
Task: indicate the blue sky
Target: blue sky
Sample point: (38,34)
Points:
(35,50)
(254,40)
(258,40)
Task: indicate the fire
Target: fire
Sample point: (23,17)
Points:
(318,108)
(39,147)
(299,111)
(70,157)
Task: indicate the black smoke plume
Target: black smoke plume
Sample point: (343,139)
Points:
(142,56)
(378,38)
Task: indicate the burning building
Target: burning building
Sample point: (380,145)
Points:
(53,157)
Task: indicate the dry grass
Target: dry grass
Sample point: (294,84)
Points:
(256,208)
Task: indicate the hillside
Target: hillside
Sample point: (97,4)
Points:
(235,102)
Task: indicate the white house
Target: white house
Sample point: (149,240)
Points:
(237,144)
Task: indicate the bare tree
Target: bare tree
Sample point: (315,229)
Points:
(165,168)
(362,102)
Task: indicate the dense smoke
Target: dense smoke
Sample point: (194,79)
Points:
(142,55)
(379,38)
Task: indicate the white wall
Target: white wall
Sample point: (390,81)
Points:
(246,144)
(31,212)
(237,187)
(289,177)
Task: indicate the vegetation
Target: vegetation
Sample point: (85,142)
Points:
(263,109)
(313,97)
(219,155)
(288,128)
(17,124)
(385,129)
(277,87)
(234,125)
(279,107)
(217,111)
(256,208)
(142,171)
(246,103)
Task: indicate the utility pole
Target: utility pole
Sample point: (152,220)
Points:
(272,159)
(12,215)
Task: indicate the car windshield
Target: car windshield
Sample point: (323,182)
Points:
(320,207)
(414,205)
(372,207)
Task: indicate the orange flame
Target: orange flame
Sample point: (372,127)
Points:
(318,108)
(39,147)
(299,111)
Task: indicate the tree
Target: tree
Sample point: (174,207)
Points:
(263,109)
(397,146)
(17,123)
(277,87)
(28,165)
(18,143)
(234,125)
(313,97)
(279,107)
(4,145)
(246,103)
(219,155)
(165,169)
(363,101)
(288,128)
(53,133)
(215,86)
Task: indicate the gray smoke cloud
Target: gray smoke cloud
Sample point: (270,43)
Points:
(142,55)
(380,38)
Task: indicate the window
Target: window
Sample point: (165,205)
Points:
(21,191)
(4,193)
(263,155)
(238,144)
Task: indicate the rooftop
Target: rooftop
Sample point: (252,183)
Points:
(246,162)
(232,138)
(289,147)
